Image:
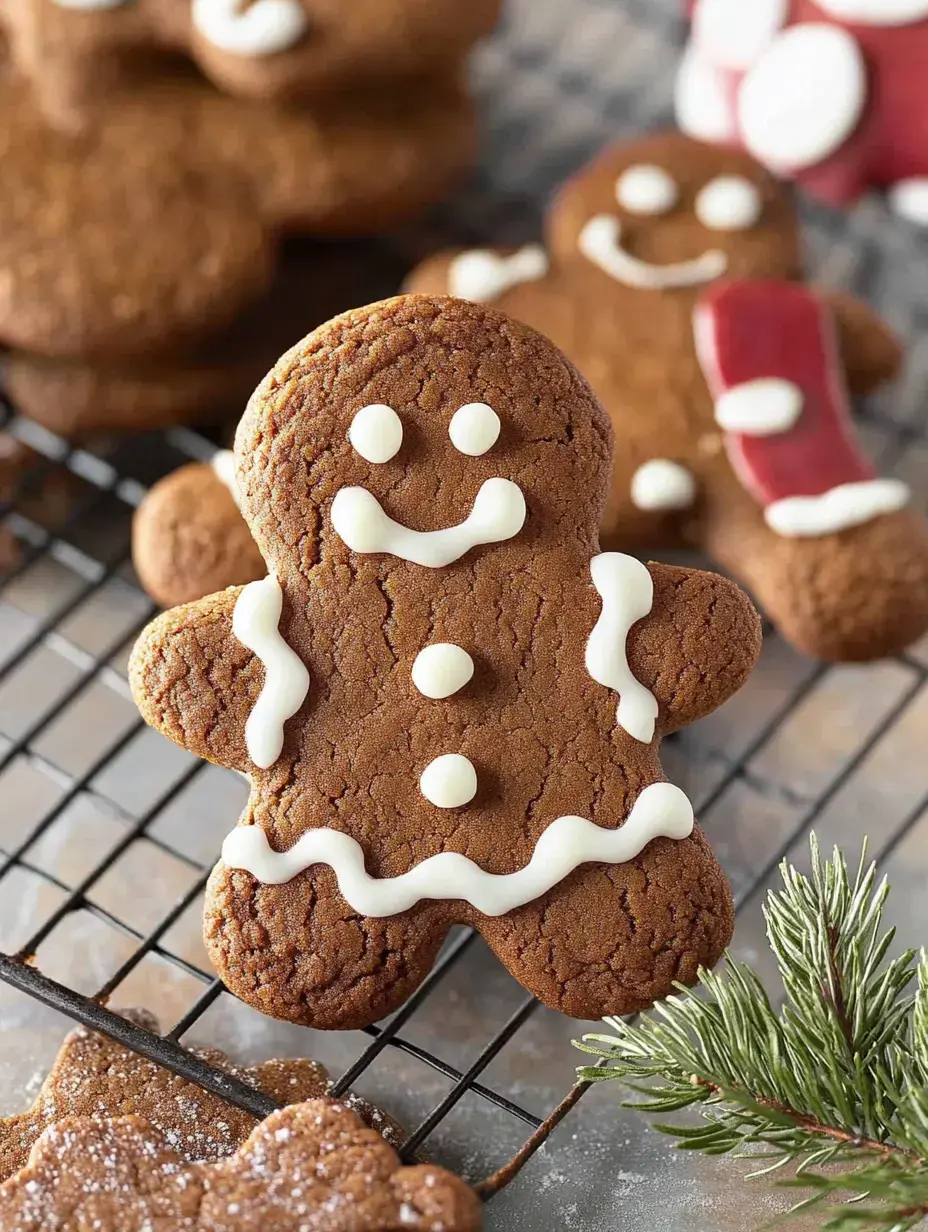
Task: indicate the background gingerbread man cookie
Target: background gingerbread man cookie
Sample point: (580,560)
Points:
(672,279)
(831,92)
(448,701)
(80,57)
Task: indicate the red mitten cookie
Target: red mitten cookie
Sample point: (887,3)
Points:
(672,281)
(449,702)
(831,92)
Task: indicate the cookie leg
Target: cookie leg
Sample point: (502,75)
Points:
(850,597)
(613,939)
(298,951)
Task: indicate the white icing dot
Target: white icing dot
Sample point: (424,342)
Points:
(261,28)
(449,781)
(474,429)
(481,275)
(442,669)
(646,189)
(877,12)
(803,97)
(729,203)
(733,33)
(701,104)
(662,484)
(376,432)
(759,408)
(909,199)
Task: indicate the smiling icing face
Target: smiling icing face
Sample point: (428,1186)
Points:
(669,214)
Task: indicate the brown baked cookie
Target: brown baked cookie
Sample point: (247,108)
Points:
(672,279)
(189,538)
(93,1076)
(456,754)
(77,57)
(157,228)
(313,1167)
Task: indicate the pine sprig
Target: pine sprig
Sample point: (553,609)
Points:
(829,1083)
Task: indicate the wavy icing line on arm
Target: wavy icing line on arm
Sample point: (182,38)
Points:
(255,621)
(661,811)
(627,592)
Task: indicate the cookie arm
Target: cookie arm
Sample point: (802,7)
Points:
(871,353)
(697,647)
(194,682)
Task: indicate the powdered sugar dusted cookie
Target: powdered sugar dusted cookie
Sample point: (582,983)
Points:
(674,283)
(93,1076)
(448,700)
(314,1166)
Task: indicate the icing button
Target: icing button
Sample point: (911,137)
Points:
(442,669)
(449,781)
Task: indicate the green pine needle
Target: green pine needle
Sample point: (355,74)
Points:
(830,1080)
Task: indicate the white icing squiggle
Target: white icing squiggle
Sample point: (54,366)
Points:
(482,276)
(601,242)
(89,5)
(661,811)
(627,592)
(849,504)
(257,29)
(286,679)
(360,522)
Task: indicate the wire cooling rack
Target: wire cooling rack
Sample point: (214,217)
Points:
(107,833)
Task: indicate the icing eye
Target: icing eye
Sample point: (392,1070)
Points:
(474,429)
(376,433)
(729,203)
(645,189)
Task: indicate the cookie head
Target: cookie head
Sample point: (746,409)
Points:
(419,443)
(667,214)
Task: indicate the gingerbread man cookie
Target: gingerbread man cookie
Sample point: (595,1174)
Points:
(447,699)
(831,92)
(672,280)
(85,267)
(312,1167)
(81,56)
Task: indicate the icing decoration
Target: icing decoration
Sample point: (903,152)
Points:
(662,484)
(733,33)
(660,811)
(627,592)
(729,203)
(600,242)
(255,621)
(646,189)
(762,329)
(474,429)
(376,433)
(701,103)
(260,28)
(877,12)
(760,407)
(223,464)
(803,98)
(359,520)
(449,781)
(851,504)
(909,199)
(441,670)
(482,276)
(88,5)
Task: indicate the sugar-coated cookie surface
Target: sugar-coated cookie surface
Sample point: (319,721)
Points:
(672,279)
(312,1167)
(394,794)
(80,55)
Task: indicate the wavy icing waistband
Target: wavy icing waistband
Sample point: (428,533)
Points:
(661,811)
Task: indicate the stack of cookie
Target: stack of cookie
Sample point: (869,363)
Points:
(157,154)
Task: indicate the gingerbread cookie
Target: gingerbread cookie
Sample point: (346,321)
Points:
(84,264)
(448,701)
(189,538)
(313,1167)
(830,92)
(80,57)
(93,1076)
(672,279)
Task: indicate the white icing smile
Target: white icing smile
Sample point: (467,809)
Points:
(661,811)
(360,522)
(627,591)
(600,242)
